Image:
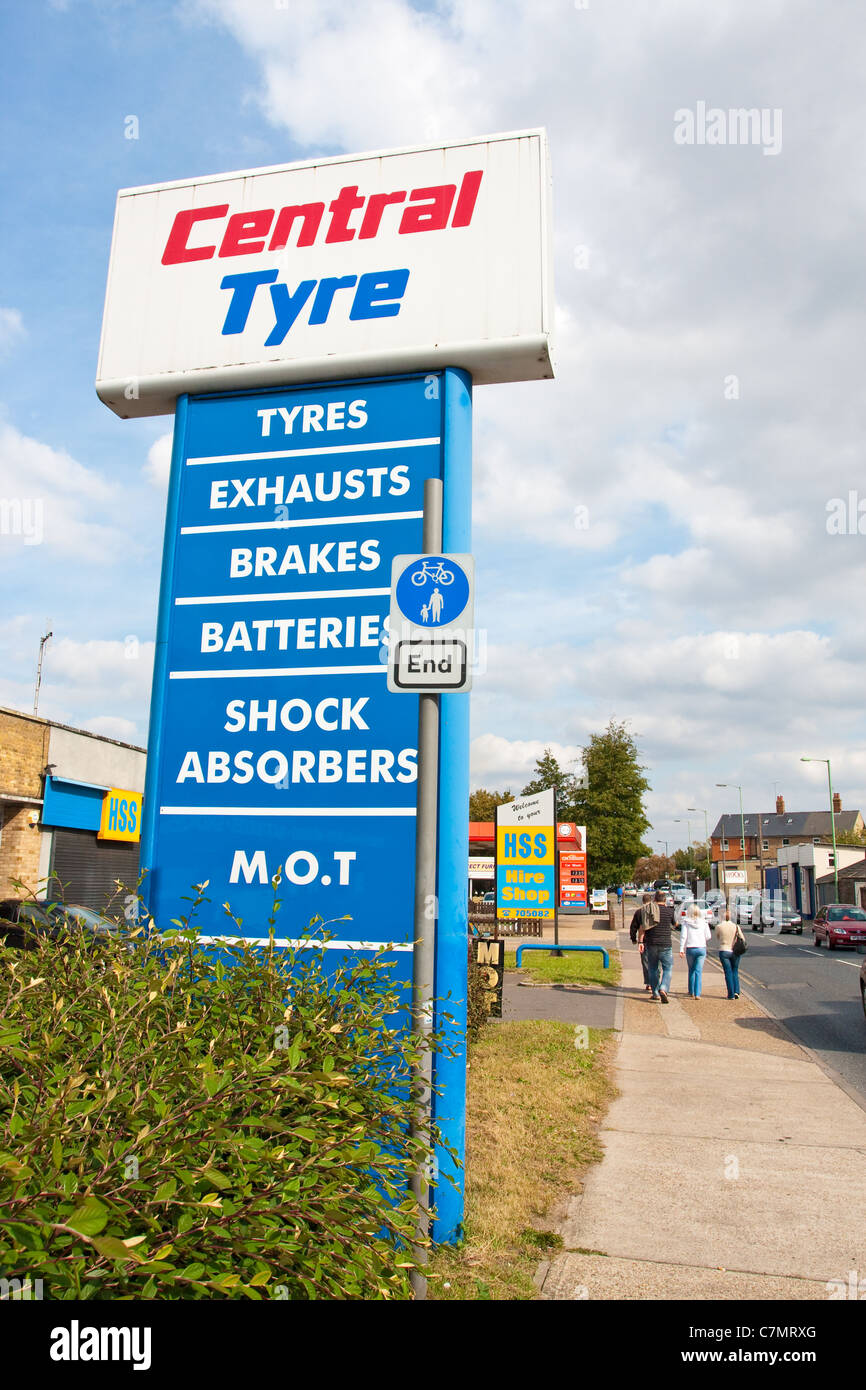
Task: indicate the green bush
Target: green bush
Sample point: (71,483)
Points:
(176,1128)
(476,1000)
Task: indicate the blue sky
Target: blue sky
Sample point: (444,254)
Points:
(705,602)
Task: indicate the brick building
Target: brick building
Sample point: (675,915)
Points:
(70,808)
(766,834)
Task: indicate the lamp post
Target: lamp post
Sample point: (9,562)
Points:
(665,843)
(832,819)
(687,822)
(700,809)
(742,825)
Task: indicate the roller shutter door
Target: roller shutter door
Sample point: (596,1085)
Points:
(85,870)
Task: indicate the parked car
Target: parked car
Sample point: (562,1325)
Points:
(839,924)
(681,909)
(661,885)
(23,919)
(712,904)
(489,897)
(775,912)
(746,909)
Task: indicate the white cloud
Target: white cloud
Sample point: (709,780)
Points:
(158,465)
(50,499)
(499,762)
(11,328)
(88,684)
(113,726)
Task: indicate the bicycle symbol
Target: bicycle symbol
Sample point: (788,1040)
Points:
(437,574)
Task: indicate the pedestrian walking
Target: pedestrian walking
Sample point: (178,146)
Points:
(728,935)
(656,942)
(634,928)
(694,935)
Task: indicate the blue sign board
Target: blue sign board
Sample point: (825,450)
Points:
(275,746)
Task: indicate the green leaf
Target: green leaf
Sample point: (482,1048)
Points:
(90,1218)
(217,1179)
(165,1190)
(114,1249)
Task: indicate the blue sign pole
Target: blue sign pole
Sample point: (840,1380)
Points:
(449,1107)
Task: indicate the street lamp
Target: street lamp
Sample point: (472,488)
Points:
(832,819)
(742,826)
(700,809)
(687,822)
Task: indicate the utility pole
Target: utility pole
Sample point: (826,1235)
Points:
(689,849)
(742,827)
(699,810)
(39,672)
(832,820)
(761,852)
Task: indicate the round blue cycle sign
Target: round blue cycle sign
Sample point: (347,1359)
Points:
(432,591)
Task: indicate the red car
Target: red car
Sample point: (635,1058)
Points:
(840,924)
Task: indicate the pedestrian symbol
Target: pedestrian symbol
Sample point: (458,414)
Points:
(432,591)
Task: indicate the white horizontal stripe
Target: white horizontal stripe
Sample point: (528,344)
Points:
(287,942)
(307,521)
(287,810)
(279,671)
(283,598)
(314,453)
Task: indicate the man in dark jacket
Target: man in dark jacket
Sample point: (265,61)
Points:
(656,942)
(636,923)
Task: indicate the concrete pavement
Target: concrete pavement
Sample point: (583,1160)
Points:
(734,1166)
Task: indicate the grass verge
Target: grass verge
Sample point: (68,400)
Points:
(573,968)
(534,1106)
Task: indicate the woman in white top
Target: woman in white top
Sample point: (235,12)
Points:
(694,935)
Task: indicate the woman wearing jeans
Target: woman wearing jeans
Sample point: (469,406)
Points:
(694,935)
(726,934)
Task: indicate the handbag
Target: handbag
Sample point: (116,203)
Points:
(741,945)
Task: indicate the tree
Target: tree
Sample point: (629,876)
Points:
(653,866)
(482,803)
(548,773)
(611,805)
(849,837)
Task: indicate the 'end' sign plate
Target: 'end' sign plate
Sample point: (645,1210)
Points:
(431,624)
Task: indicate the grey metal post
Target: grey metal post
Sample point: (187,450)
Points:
(426,905)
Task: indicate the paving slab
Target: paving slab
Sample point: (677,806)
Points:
(573,1276)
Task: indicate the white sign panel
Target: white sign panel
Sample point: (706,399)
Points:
(431,625)
(409,259)
(734,875)
(528,810)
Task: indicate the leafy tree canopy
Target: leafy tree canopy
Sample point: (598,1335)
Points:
(482,803)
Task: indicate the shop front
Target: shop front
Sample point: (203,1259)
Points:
(94,843)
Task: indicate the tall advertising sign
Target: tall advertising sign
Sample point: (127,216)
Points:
(526,858)
(317,329)
(571,842)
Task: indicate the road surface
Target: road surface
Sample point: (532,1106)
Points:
(815,993)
